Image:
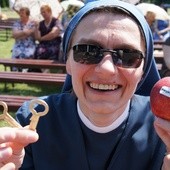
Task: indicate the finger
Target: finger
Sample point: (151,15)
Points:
(22,135)
(164,124)
(17,159)
(166,162)
(8,154)
(7,149)
(8,166)
(163,134)
(5,153)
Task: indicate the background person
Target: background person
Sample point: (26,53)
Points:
(163,32)
(151,19)
(158,26)
(100,124)
(166,49)
(70,8)
(48,33)
(23,33)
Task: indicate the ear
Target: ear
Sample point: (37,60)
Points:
(68,66)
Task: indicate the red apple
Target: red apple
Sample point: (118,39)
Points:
(160,98)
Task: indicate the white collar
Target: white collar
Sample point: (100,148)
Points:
(105,129)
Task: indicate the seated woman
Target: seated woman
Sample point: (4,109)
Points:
(23,33)
(48,33)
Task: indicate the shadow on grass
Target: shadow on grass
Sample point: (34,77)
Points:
(28,90)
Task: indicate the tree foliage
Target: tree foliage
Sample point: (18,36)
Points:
(4,3)
(157,2)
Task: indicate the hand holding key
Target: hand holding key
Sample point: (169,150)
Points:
(35,117)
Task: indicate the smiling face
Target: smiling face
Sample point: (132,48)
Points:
(103,89)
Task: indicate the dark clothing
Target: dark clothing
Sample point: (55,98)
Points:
(167,42)
(49,49)
(65,143)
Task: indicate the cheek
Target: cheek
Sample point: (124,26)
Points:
(77,71)
(74,68)
(132,76)
(78,79)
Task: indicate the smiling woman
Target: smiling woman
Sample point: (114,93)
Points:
(104,63)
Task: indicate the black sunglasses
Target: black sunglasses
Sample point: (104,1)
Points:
(92,54)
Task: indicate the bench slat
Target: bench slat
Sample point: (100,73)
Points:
(14,102)
(32,63)
(35,78)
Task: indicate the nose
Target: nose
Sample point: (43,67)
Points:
(106,65)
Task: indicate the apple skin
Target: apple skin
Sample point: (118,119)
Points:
(160,98)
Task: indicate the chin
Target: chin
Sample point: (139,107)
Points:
(101,108)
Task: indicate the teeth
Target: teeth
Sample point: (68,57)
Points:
(103,86)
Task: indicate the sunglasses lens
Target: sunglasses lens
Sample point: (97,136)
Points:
(86,54)
(91,54)
(131,59)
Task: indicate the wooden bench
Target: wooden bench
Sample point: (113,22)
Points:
(158,55)
(158,44)
(33,78)
(162,68)
(7,25)
(32,63)
(14,102)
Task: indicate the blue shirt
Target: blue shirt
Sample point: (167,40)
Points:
(66,143)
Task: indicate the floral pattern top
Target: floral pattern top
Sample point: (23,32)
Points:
(24,48)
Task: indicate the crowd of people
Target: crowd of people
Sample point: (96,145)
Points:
(41,39)
(105,121)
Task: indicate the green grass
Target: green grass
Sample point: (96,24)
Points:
(9,13)
(19,89)
(5,46)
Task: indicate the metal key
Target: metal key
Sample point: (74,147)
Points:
(35,116)
(7,117)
